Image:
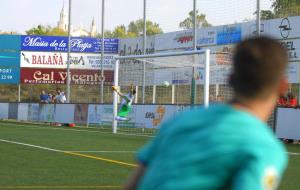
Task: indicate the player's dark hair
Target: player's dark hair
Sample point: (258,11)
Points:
(258,66)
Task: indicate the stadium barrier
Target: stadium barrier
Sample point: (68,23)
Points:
(287,123)
(284,121)
(142,116)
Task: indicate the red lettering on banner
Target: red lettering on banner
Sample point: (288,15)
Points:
(33,59)
(59,76)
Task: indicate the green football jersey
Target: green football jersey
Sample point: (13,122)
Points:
(217,148)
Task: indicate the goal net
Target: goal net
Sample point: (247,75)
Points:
(167,83)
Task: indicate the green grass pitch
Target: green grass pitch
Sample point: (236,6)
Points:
(43,157)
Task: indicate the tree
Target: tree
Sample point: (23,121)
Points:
(282,8)
(134,29)
(200,21)
(46,31)
(267,14)
(285,8)
(137,27)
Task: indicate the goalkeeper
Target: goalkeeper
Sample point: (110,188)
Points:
(127,100)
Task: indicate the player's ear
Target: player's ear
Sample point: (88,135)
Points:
(283,86)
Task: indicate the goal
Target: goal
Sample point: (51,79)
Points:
(169,82)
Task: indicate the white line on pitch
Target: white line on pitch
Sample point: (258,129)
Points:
(56,150)
(101,151)
(82,129)
(31,145)
(294,153)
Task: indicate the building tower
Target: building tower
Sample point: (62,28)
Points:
(93,29)
(63,19)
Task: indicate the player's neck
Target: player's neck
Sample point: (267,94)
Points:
(261,108)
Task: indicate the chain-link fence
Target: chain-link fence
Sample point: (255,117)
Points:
(170,27)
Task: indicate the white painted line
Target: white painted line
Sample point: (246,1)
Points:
(71,153)
(77,130)
(294,153)
(56,150)
(31,145)
(101,151)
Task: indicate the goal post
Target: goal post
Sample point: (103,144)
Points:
(168,79)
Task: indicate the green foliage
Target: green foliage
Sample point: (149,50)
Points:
(200,21)
(134,29)
(267,14)
(285,8)
(46,31)
(282,8)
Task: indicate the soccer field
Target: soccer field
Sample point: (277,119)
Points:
(44,157)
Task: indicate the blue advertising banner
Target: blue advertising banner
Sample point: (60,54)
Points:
(10,42)
(59,43)
(9,75)
(9,59)
(229,34)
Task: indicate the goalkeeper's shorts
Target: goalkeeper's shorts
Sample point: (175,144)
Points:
(125,110)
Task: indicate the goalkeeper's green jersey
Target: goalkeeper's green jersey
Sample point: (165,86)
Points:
(213,149)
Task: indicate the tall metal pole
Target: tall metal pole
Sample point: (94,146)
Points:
(193,83)
(258,17)
(144,51)
(69,50)
(102,52)
(194,25)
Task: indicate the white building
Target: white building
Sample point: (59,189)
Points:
(63,25)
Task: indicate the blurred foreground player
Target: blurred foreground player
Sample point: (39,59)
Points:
(226,146)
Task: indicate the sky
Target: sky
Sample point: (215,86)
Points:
(21,15)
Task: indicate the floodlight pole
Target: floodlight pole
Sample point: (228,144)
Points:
(102,52)
(258,17)
(193,83)
(115,97)
(144,51)
(69,50)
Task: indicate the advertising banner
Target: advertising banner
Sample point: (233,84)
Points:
(229,34)
(293,73)
(59,76)
(9,75)
(59,60)
(60,44)
(281,28)
(81,113)
(134,46)
(152,116)
(287,123)
(10,43)
(174,40)
(9,58)
(207,36)
(293,47)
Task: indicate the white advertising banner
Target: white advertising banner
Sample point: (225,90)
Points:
(59,60)
(282,28)
(293,47)
(152,116)
(3,110)
(174,40)
(64,113)
(293,72)
(134,46)
(287,123)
